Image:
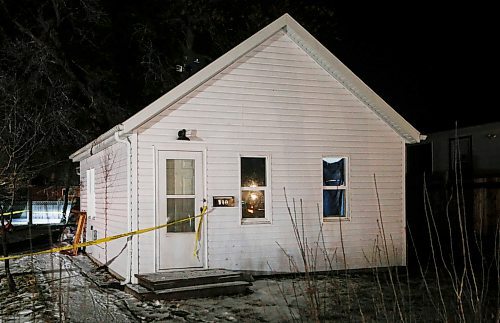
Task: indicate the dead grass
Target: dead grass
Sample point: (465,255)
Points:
(440,289)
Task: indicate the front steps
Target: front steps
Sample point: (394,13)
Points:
(189,284)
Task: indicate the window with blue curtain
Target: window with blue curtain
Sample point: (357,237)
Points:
(334,187)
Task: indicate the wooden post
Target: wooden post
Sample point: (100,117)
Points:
(82,220)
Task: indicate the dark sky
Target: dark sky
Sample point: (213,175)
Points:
(429,63)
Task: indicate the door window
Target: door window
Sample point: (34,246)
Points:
(180,194)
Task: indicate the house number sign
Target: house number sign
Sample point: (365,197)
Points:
(223,201)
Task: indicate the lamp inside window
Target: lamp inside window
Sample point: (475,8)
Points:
(253,187)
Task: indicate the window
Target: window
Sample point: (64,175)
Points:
(461,154)
(335,187)
(254,189)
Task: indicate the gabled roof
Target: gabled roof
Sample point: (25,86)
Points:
(303,39)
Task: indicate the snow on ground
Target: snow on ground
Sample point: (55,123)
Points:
(51,288)
(55,288)
(61,288)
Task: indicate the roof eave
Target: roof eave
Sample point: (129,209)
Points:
(354,84)
(305,40)
(87,149)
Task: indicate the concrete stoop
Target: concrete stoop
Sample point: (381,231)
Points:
(175,285)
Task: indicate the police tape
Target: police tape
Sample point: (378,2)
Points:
(118,236)
(14,212)
(34,212)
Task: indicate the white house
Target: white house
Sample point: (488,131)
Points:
(277,111)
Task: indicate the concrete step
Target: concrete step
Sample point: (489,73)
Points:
(199,291)
(186,278)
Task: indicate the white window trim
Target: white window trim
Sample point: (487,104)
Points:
(91,196)
(267,191)
(345,187)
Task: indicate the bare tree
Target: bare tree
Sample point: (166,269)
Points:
(19,139)
(107,161)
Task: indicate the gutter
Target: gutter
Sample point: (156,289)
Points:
(100,143)
(126,141)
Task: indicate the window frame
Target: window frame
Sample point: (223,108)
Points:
(345,188)
(91,190)
(460,142)
(267,219)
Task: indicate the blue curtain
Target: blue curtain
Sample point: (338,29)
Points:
(333,173)
(333,203)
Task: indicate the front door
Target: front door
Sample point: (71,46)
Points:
(180,197)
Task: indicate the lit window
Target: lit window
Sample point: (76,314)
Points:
(335,187)
(254,189)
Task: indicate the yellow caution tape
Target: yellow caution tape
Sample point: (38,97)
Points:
(197,244)
(14,212)
(34,212)
(111,238)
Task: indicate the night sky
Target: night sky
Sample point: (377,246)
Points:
(429,63)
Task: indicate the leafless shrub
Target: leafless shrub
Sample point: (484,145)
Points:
(451,291)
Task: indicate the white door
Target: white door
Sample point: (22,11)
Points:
(180,188)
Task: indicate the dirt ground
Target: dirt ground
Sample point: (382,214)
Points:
(60,288)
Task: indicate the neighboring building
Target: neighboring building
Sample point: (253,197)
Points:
(47,205)
(277,112)
(44,212)
(479,148)
(469,154)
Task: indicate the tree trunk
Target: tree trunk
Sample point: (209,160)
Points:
(30,209)
(8,274)
(66,190)
(30,215)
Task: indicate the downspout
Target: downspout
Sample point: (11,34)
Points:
(129,205)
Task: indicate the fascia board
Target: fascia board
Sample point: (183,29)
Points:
(353,83)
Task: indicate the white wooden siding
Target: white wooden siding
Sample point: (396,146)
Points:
(276,100)
(111,207)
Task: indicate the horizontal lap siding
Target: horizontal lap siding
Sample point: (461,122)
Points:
(111,204)
(276,100)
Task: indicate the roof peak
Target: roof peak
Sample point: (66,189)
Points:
(312,47)
(304,40)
